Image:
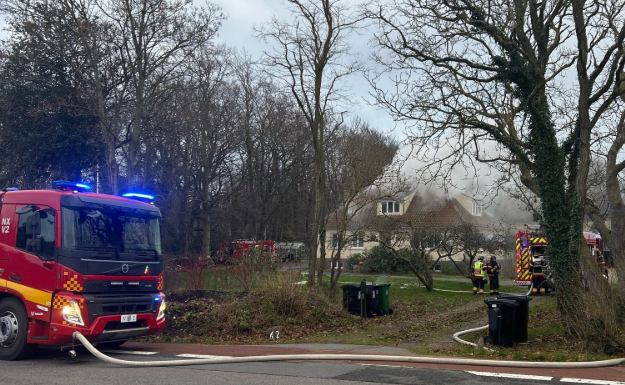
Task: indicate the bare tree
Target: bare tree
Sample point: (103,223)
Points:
(128,50)
(153,38)
(420,248)
(210,117)
(311,57)
(480,83)
(430,242)
(363,172)
(615,204)
(469,241)
(272,130)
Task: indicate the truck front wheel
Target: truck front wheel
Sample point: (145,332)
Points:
(14,331)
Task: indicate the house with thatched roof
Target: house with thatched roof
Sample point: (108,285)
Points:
(363,229)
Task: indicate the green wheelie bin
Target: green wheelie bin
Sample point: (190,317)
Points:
(384,301)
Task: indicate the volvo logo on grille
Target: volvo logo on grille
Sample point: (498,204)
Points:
(125,268)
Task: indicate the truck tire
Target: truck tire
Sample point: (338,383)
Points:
(14,331)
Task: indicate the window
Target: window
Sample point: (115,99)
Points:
(46,237)
(429,240)
(477,210)
(335,240)
(91,229)
(390,207)
(358,242)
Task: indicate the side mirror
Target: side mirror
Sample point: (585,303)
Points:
(33,245)
(33,224)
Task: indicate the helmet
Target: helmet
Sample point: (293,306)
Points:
(493,257)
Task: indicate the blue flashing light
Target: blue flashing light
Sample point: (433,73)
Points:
(140,197)
(157,298)
(72,186)
(135,195)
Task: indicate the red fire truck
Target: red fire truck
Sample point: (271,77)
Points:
(597,250)
(529,245)
(72,260)
(243,247)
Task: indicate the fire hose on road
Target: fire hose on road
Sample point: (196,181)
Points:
(353,357)
(344,357)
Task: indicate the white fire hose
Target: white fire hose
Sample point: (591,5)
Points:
(457,338)
(345,357)
(355,357)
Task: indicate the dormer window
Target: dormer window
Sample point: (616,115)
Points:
(390,207)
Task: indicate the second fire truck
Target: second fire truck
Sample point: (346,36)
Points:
(532,260)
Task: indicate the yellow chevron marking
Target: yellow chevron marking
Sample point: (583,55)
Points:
(33,295)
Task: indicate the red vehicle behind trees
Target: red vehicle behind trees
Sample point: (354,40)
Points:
(244,247)
(72,260)
(531,244)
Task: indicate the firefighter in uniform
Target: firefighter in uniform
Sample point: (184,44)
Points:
(602,266)
(493,269)
(479,269)
(538,276)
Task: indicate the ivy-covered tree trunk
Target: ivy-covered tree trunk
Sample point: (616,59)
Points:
(546,160)
(549,173)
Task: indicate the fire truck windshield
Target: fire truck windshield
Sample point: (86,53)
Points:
(109,230)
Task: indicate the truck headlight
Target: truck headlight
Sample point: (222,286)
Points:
(71,313)
(161,311)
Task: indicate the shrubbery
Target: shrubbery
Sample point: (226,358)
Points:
(354,260)
(379,260)
(277,301)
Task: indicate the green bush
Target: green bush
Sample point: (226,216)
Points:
(448,268)
(380,260)
(354,260)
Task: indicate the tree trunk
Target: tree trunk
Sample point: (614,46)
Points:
(206,236)
(617,206)
(111,167)
(549,170)
(335,260)
(428,280)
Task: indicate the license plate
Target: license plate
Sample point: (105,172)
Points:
(129,318)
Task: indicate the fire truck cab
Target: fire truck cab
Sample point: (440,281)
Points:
(72,260)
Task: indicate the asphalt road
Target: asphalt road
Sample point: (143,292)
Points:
(55,367)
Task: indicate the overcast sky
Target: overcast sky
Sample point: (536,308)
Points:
(237,31)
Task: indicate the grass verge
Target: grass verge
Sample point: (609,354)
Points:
(422,321)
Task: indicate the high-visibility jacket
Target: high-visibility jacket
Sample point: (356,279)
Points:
(478,269)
